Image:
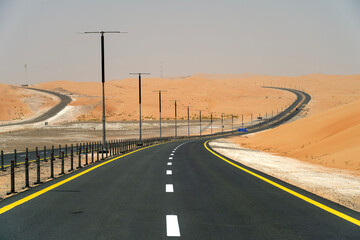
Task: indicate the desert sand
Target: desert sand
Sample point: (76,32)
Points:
(21,103)
(336,185)
(217,94)
(330,138)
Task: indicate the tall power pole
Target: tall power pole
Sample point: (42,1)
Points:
(140,137)
(175,118)
(188,119)
(200,121)
(211,122)
(103,77)
(160,91)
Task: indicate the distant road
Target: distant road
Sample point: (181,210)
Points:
(64,101)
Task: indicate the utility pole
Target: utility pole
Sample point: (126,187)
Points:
(140,137)
(188,118)
(200,121)
(103,77)
(211,122)
(160,91)
(175,118)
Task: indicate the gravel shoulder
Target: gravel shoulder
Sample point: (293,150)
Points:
(337,185)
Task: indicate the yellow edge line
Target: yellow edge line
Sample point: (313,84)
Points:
(309,200)
(34,195)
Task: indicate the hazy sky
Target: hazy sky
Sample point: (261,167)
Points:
(282,37)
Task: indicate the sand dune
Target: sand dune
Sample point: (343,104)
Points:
(330,138)
(21,103)
(217,94)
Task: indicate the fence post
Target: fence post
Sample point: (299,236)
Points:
(107,148)
(45,154)
(102,152)
(2,160)
(52,165)
(71,158)
(37,170)
(86,156)
(62,164)
(79,154)
(27,184)
(12,178)
(36,151)
(97,152)
(116,147)
(66,150)
(92,152)
(15,157)
(59,152)
(53,151)
(110,148)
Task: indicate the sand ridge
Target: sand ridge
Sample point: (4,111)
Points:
(330,138)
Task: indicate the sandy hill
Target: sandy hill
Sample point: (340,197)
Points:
(226,94)
(330,138)
(12,106)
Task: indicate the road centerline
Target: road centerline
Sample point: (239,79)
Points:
(169,188)
(172,226)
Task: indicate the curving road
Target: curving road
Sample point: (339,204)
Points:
(180,189)
(64,101)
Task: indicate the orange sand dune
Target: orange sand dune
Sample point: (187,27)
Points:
(11,105)
(330,138)
(215,94)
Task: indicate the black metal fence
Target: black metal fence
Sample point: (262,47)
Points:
(38,166)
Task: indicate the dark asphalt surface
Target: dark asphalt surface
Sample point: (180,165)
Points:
(279,119)
(126,199)
(64,101)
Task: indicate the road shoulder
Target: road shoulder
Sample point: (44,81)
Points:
(335,185)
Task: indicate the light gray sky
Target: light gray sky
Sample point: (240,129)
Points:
(282,37)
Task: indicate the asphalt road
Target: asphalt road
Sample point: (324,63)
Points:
(64,101)
(127,199)
(300,102)
(173,190)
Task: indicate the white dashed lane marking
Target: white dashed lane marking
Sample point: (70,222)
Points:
(172,226)
(168,172)
(169,188)
(170,158)
(169,163)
